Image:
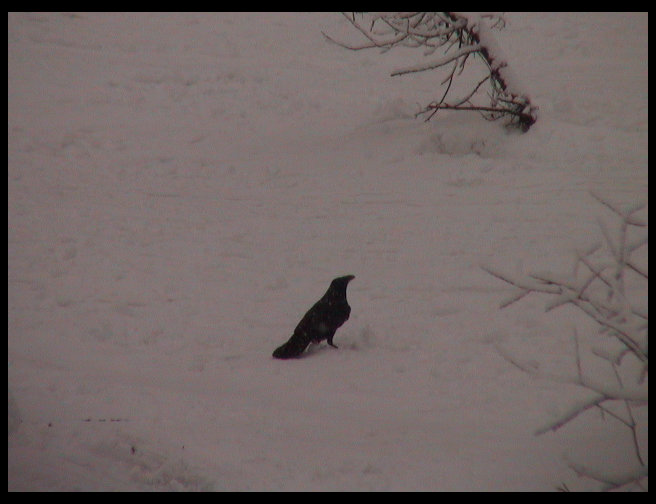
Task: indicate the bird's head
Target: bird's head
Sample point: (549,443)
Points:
(339,284)
(343,280)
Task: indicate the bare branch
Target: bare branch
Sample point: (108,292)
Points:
(438,63)
(574,411)
(609,481)
(623,214)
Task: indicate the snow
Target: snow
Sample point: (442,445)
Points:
(183,187)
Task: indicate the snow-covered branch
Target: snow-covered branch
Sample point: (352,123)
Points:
(459,35)
(598,287)
(604,278)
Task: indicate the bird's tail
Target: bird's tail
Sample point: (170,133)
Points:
(289,350)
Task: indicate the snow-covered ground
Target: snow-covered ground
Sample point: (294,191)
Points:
(182,188)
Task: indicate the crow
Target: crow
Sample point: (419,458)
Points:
(320,322)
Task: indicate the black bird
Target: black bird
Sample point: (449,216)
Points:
(320,322)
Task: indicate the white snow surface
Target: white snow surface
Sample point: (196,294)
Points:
(183,187)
